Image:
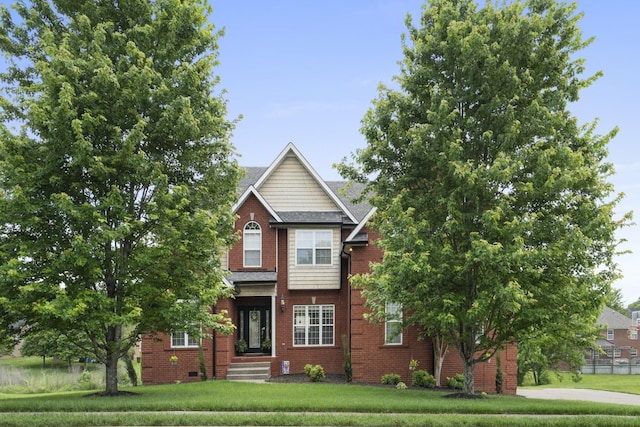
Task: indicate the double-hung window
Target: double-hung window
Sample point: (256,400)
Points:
(252,244)
(393,325)
(313,247)
(610,334)
(182,339)
(313,325)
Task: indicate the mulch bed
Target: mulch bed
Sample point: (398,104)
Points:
(341,379)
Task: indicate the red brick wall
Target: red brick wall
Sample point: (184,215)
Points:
(371,358)
(261,216)
(157,368)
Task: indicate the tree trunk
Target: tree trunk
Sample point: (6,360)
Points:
(440,350)
(469,385)
(114,340)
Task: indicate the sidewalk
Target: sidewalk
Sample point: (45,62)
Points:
(581,394)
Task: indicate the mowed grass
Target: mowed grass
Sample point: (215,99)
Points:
(618,383)
(229,403)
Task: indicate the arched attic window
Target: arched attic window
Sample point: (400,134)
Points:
(252,241)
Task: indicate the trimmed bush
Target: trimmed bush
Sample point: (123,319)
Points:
(401,386)
(456,382)
(422,378)
(314,372)
(391,379)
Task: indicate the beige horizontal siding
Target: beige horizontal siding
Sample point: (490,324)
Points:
(302,277)
(292,188)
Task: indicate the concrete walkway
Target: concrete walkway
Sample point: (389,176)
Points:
(581,394)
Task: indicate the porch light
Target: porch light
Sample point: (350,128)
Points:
(283,306)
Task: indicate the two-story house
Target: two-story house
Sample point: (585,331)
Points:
(301,239)
(619,341)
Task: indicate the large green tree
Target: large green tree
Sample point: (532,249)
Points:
(116,172)
(492,200)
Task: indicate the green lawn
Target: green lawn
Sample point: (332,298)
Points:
(228,403)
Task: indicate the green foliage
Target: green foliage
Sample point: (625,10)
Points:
(348,370)
(422,378)
(116,192)
(241,346)
(493,204)
(391,379)
(401,386)
(46,343)
(456,382)
(314,372)
(499,375)
(202,363)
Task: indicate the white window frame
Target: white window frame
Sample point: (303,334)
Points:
(304,325)
(633,333)
(613,352)
(252,229)
(633,352)
(610,334)
(309,240)
(393,324)
(188,341)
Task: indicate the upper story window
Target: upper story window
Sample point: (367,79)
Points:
(610,334)
(182,339)
(252,240)
(393,326)
(313,247)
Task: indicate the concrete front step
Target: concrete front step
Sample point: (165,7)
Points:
(249,371)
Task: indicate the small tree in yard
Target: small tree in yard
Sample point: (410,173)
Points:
(116,192)
(493,204)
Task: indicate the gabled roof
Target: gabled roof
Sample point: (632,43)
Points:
(252,191)
(339,192)
(611,319)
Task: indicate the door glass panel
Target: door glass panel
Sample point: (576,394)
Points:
(254,329)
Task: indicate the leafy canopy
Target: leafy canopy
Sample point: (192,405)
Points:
(493,203)
(116,188)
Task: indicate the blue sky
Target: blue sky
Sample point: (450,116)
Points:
(306,71)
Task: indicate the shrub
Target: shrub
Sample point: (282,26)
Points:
(456,382)
(545,378)
(422,378)
(401,386)
(391,379)
(314,372)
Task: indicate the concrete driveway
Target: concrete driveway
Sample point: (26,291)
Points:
(581,394)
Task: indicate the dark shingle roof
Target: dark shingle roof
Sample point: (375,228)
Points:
(311,217)
(613,320)
(237,277)
(347,193)
(253,175)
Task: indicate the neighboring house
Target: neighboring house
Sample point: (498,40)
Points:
(301,238)
(619,341)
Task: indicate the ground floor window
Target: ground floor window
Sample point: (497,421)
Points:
(393,326)
(613,352)
(182,339)
(313,324)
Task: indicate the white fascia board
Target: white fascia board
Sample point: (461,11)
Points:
(292,148)
(360,226)
(247,193)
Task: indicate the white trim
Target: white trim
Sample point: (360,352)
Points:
(244,244)
(245,196)
(361,225)
(276,163)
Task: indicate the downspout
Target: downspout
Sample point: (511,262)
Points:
(349,302)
